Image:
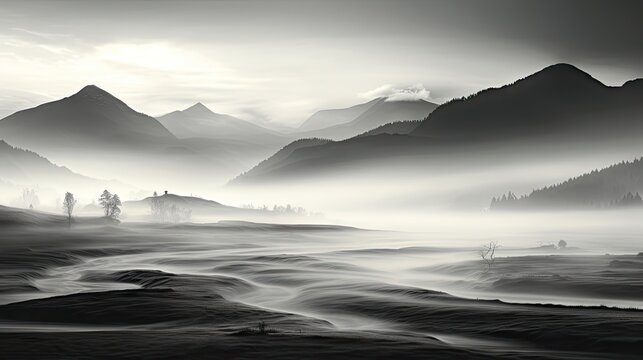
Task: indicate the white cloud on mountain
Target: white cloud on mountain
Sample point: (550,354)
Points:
(393,93)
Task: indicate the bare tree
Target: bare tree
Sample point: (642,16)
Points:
(68,205)
(488,253)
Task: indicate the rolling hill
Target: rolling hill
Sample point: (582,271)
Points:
(191,202)
(180,208)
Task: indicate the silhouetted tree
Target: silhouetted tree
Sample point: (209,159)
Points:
(110,204)
(105,201)
(562,244)
(68,205)
(114,210)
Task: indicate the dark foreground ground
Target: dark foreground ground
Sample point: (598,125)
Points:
(243,291)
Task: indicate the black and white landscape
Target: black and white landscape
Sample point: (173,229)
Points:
(319,179)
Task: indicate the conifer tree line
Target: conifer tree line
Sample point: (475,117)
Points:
(616,186)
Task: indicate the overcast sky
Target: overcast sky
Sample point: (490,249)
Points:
(280,61)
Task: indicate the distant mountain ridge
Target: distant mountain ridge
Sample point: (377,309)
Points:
(331,117)
(367,116)
(198,121)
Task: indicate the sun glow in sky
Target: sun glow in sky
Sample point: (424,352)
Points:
(276,62)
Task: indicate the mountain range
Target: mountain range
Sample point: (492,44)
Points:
(97,134)
(93,124)
(560,107)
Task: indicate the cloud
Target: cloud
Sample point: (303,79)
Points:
(393,93)
(255,114)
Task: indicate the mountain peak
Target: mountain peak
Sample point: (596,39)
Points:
(96,94)
(198,109)
(92,90)
(563,73)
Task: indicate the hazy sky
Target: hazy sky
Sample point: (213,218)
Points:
(282,60)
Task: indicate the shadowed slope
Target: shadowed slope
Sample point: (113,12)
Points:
(560,100)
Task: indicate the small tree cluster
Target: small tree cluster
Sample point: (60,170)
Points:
(628,199)
(111,204)
(163,212)
(157,207)
(30,199)
(504,201)
(288,209)
(178,214)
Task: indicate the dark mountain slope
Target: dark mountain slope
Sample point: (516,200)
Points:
(312,157)
(558,100)
(277,160)
(398,127)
